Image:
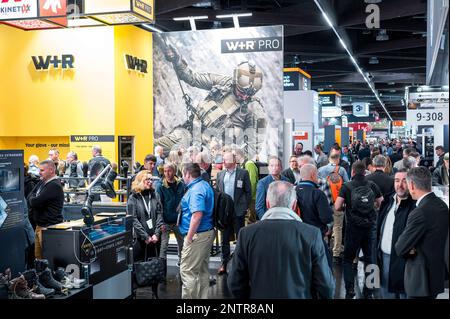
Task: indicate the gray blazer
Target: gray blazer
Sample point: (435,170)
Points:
(243,194)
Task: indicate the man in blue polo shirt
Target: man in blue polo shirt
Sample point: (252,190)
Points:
(197,227)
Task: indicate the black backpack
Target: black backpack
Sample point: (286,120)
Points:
(223,210)
(363,212)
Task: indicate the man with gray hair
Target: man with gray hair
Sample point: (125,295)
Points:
(423,241)
(384,182)
(281,236)
(97,163)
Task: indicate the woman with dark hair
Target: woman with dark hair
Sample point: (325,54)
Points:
(145,207)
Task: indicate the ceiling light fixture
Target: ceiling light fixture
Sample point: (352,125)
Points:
(366,78)
(373,60)
(235,17)
(191,20)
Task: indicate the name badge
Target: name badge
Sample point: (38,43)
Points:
(239,184)
(150,223)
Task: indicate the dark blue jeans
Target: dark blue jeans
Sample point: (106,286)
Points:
(358,238)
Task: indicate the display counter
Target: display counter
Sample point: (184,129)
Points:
(101,253)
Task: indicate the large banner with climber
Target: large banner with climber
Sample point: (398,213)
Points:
(220,87)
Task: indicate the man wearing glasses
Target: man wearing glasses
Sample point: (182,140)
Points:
(293,172)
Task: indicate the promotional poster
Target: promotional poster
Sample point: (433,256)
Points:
(220,87)
(12,210)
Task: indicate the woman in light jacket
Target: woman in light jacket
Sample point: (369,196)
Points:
(145,207)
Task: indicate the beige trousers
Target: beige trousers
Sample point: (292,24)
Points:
(194,268)
(338,221)
(38,242)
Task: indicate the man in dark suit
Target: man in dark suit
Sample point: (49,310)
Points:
(423,241)
(384,182)
(292,173)
(235,182)
(280,256)
(394,212)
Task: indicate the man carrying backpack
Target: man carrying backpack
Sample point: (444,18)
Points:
(361,197)
(335,176)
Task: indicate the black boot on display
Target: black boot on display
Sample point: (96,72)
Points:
(46,278)
(33,283)
(59,274)
(40,265)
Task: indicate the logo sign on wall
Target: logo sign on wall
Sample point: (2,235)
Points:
(18,9)
(135,64)
(361,109)
(427,105)
(223,87)
(44,63)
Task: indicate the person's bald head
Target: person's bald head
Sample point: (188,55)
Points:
(308,172)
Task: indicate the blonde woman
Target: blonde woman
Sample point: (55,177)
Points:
(145,207)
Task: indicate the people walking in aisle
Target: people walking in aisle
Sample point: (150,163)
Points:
(275,168)
(170,191)
(292,173)
(235,182)
(46,202)
(423,241)
(280,236)
(197,227)
(394,212)
(360,198)
(313,204)
(334,176)
(145,206)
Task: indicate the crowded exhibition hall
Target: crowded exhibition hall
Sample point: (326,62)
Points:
(224,150)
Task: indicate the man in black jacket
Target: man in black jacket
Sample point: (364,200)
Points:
(235,182)
(384,182)
(280,256)
(46,202)
(394,212)
(292,173)
(313,204)
(423,241)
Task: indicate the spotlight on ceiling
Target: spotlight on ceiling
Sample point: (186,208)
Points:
(382,35)
(372,1)
(373,60)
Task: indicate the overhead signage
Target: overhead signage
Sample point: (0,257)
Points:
(427,97)
(300,135)
(330,99)
(135,64)
(295,79)
(252,45)
(437,116)
(344,121)
(42,63)
(18,9)
(328,112)
(291,81)
(361,109)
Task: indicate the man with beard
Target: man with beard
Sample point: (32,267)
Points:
(392,218)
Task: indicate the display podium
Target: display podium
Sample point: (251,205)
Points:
(102,253)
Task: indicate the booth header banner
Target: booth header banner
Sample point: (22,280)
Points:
(18,9)
(220,87)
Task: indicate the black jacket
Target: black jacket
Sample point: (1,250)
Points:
(384,182)
(47,207)
(289,174)
(278,258)
(363,153)
(242,190)
(314,207)
(136,208)
(440,176)
(426,231)
(397,263)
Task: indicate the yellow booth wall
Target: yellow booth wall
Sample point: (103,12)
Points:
(134,90)
(98,97)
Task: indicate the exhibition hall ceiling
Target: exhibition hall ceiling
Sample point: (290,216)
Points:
(393,56)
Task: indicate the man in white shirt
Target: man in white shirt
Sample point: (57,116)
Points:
(393,215)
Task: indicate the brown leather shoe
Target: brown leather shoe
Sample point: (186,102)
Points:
(222,270)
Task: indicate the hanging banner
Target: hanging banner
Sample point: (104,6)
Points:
(12,209)
(223,87)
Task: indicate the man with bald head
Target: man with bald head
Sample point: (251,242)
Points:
(300,270)
(313,204)
(46,202)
